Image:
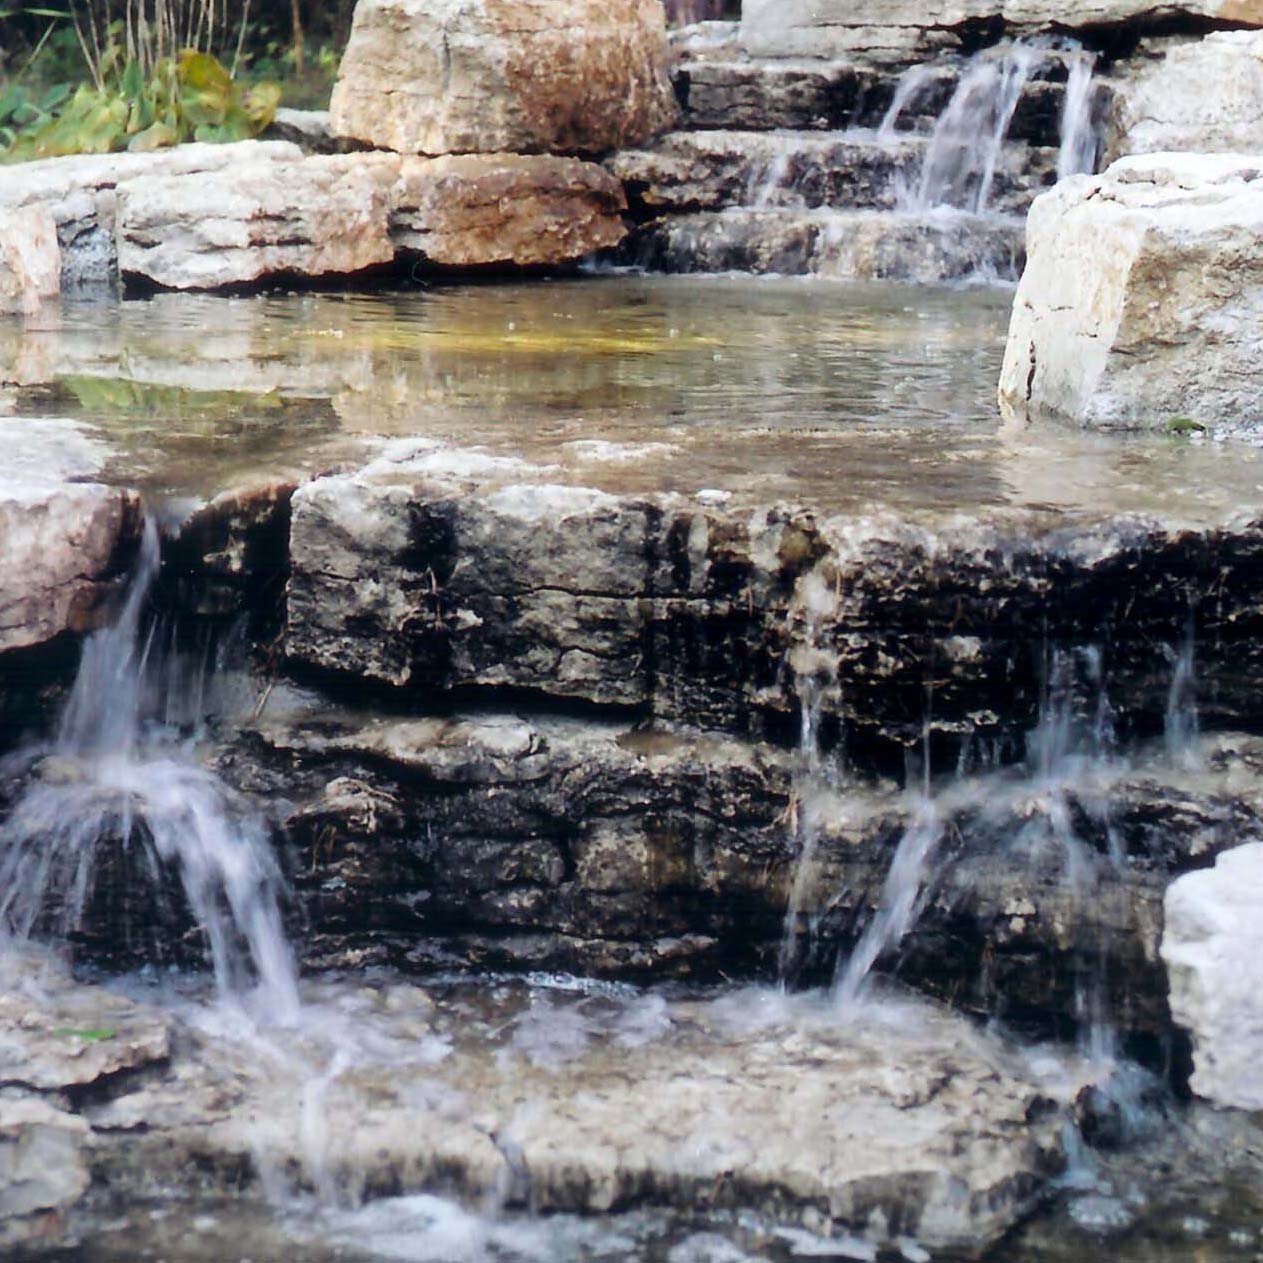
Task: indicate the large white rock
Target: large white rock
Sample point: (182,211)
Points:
(1202,97)
(830,28)
(310,217)
(480,209)
(1213,949)
(1142,299)
(60,540)
(489,76)
(30,259)
(80,194)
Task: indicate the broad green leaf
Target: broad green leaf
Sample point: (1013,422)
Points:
(156,136)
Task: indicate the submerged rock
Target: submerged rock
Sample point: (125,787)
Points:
(1138,308)
(1211,947)
(495,76)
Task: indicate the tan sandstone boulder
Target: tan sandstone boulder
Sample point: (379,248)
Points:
(1140,305)
(488,76)
(484,209)
(30,259)
(311,217)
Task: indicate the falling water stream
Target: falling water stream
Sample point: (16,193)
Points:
(118,781)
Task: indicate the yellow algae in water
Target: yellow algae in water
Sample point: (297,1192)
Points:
(122,396)
(559,342)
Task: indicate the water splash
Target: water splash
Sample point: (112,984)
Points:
(119,797)
(815,676)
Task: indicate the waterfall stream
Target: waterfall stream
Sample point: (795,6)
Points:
(967,145)
(119,796)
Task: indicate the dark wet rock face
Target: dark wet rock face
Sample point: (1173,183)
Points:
(423,576)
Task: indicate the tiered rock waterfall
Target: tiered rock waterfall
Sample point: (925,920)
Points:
(859,168)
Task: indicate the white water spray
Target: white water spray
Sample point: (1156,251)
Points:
(119,790)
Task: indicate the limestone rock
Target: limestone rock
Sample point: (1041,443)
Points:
(497,209)
(907,30)
(77,1036)
(43,1169)
(30,259)
(313,217)
(1139,304)
(1212,946)
(81,195)
(62,543)
(907,1122)
(1200,97)
(489,76)
(863,245)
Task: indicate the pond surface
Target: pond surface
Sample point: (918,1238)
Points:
(848,398)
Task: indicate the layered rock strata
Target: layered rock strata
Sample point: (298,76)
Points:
(214,217)
(900,30)
(1138,306)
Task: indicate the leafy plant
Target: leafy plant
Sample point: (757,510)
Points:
(189,97)
(155,81)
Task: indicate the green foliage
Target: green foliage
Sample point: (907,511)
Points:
(88,1036)
(188,97)
(1185,426)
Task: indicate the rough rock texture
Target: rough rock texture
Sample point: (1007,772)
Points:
(30,259)
(43,1169)
(845,245)
(1200,97)
(510,841)
(437,568)
(498,209)
(1211,947)
(692,171)
(908,30)
(64,544)
(909,1124)
(57,1040)
(1139,304)
(491,76)
(81,195)
(315,217)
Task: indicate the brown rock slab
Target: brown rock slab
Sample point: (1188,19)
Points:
(496,209)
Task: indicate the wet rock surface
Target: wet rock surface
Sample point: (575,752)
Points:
(569,1102)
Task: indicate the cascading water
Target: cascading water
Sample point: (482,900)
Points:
(1079,140)
(119,789)
(964,152)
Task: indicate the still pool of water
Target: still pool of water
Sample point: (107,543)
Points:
(848,398)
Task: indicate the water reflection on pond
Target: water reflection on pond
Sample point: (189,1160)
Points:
(851,398)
